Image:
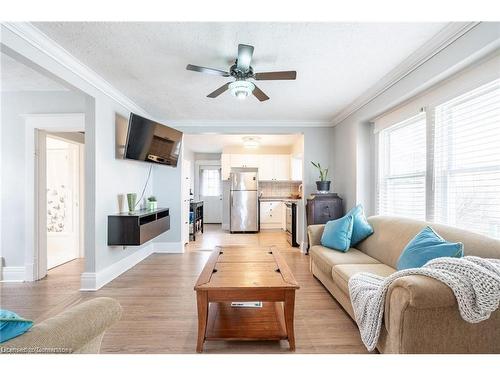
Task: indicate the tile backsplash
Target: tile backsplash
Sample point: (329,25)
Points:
(278,188)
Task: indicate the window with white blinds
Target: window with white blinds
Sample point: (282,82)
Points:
(402,169)
(467,161)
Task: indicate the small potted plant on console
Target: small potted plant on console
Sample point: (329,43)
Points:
(323,185)
(152,203)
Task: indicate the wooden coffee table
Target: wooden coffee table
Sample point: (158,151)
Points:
(239,274)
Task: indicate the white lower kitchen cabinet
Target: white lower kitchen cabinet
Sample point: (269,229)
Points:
(271,214)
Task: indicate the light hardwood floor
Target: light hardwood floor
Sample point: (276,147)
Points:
(160,306)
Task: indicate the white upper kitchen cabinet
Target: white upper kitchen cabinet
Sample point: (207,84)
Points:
(281,167)
(266,167)
(296,168)
(274,167)
(225,162)
(245,160)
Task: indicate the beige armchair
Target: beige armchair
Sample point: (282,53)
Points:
(79,329)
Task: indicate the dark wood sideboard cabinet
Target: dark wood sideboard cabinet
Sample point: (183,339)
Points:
(323,207)
(138,227)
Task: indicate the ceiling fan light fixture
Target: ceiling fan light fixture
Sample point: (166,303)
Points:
(241,89)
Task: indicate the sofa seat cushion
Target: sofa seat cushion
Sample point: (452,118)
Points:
(342,273)
(326,258)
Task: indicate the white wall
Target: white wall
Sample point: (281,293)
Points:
(168,191)
(13,155)
(113,177)
(353,156)
(105,176)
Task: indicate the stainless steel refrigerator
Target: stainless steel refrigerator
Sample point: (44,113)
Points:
(244,204)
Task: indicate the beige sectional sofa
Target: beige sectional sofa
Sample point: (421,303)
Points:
(421,314)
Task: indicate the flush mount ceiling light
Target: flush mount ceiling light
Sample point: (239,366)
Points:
(251,142)
(241,89)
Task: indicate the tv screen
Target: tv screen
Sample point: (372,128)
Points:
(151,141)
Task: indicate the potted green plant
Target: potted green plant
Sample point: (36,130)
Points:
(152,203)
(322,185)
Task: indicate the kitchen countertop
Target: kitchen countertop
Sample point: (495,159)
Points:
(280,199)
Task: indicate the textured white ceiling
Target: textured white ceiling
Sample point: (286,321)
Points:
(16,77)
(335,63)
(216,142)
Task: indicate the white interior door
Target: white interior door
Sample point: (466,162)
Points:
(63,189)
(211,193)
(186,196)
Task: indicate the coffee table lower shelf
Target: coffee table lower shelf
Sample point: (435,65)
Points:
(246,323)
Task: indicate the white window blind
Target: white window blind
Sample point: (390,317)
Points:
(467,161)
(402,168)
(210,181)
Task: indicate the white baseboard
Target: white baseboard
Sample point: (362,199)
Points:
(30,272)
(91,281)
(13,274)
(303,247)
(168,247)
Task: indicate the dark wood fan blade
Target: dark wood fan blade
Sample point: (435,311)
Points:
(290,74)
(259,94)
(219,91)
(202,69)
(245,53)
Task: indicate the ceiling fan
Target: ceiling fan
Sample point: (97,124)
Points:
(242,71)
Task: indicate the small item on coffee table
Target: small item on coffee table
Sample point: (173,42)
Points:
(246,304)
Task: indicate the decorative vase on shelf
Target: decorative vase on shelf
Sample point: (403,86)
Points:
(131,199)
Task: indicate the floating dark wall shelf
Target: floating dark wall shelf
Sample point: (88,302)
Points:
(138,227)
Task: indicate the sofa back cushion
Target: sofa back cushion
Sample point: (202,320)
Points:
(391,235)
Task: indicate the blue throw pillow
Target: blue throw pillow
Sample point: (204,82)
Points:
(425,246)
(12,325)
(361,228)
(337,233)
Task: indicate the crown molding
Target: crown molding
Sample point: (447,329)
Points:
(449,34)
(257,123)
(43,43)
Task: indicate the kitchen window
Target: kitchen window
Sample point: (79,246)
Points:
(443,165)
(210,181)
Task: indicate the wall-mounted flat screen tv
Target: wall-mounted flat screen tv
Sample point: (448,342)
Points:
(151,141)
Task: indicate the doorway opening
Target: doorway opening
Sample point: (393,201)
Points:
(64,187)
(215,163)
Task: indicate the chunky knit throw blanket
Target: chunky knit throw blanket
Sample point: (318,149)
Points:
(474,281)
